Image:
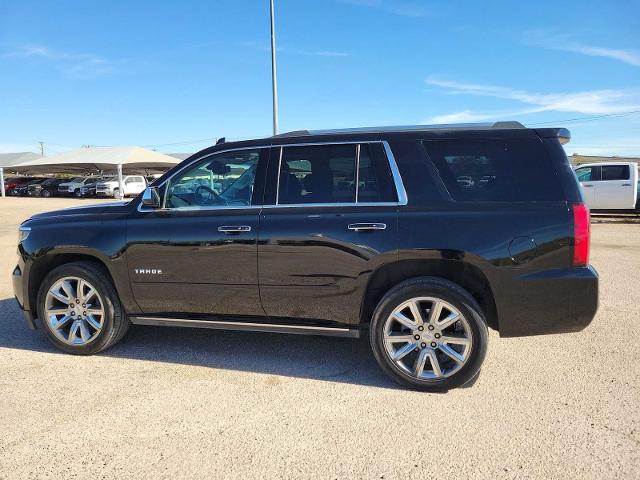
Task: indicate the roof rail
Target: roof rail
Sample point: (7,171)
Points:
(405,128)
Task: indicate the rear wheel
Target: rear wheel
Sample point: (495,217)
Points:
(80,309)
(429,334)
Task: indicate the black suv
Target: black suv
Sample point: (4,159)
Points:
(423,237)
(46,189)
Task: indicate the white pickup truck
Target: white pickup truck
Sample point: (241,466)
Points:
(132,184)
(609,186)
(73,187)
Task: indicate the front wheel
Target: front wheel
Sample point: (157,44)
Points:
(429,334)
(45,194)
(80,309)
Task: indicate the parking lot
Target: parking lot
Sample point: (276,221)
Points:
(172,403)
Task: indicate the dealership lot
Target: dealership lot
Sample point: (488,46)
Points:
(169,403)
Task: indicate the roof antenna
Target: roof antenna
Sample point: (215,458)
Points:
(221,140)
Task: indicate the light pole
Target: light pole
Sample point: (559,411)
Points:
(274,80)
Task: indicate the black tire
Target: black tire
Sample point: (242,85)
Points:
(116,322)
(46,193)
(454,295)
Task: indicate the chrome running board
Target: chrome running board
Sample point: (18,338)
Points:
(247,326)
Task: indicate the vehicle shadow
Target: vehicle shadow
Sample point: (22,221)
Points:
(332,359)
(615,219)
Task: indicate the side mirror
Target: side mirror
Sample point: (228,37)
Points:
(151,197)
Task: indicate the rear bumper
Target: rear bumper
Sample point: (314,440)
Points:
(551,301)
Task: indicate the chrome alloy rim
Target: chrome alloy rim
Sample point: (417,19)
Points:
(74,311)
(427,338)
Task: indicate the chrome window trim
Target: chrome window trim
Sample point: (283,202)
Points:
(327,205)
(278,179)
(395,172)
(357,170)
(165,185)
(197,208)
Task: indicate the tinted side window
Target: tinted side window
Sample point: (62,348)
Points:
(317,174)
(615,172)
(375,181)
(224,179)
(495,171)
(588,174)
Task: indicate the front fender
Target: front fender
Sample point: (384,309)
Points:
(99,238)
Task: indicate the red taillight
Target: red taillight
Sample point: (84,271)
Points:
(581,234)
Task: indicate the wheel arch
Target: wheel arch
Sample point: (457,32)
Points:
(464,274)
(42,266)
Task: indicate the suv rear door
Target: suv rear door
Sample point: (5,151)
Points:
(330,218)
(615,190)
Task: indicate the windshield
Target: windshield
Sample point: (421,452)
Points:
(77,180)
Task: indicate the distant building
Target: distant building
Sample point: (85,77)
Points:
(576,159)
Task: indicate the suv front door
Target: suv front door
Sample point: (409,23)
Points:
(198,254)
(588,178)
(329,220)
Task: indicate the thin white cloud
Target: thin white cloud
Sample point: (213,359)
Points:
(591,102)
(469,116)
(562,42)
(76,65)
(458,117)
(397,7)
(632,57)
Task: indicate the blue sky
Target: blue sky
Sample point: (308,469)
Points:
(173,75)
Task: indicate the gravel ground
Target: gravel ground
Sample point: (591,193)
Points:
(171,403)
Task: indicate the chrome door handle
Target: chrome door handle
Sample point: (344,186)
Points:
(625,185)
(366,227)
(234,228)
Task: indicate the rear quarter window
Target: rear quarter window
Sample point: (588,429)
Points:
(495,170)
(615,172)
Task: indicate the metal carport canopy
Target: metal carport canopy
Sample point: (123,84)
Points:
(8,160)
(131,160)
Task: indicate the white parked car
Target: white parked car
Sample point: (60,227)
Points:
(132,184)
(609,186)
(74,186)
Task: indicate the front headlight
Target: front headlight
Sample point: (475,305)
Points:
(23,233)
